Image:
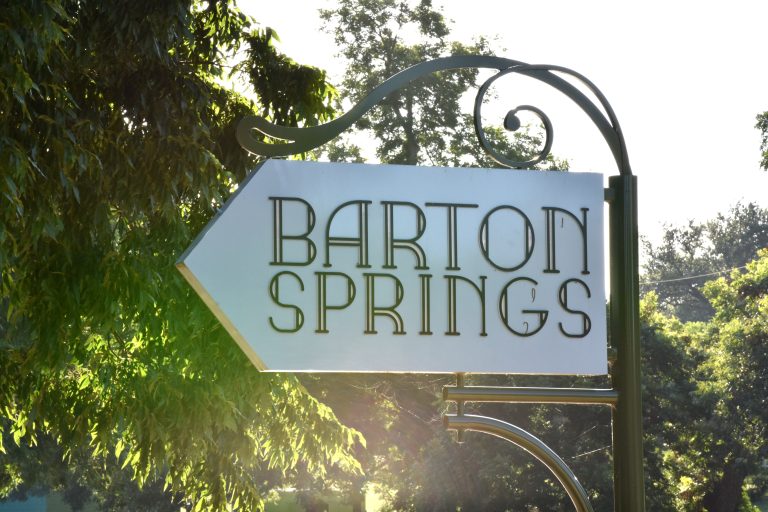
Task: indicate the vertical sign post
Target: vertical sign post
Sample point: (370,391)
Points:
(628,483)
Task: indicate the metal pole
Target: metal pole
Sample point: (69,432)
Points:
(629,486)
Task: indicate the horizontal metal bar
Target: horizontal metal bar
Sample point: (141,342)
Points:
(583,396)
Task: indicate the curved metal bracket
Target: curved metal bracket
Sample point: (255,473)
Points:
(462,422)
(307,138)
(529,443)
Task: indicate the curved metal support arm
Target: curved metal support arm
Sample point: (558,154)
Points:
(307,138)
(529,443)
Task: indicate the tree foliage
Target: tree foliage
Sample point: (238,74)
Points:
(762,125)
(695,456)
(80,480)
(411,125)
(705,405)
(116,147)
(423,122)
(687,257)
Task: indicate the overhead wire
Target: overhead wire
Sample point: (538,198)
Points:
(689,278)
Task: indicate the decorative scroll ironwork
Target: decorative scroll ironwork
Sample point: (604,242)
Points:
(299,140)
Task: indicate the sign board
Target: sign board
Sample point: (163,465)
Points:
(387,268)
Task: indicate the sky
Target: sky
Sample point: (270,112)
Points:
(683,77)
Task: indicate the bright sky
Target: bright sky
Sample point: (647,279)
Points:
(684,78)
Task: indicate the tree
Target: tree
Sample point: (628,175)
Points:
(707,421)
(688,257)
(421,123)
(411,125)
(687,443)
(736,373)
(669,412)
(116,147)
(762,125)
(80,480)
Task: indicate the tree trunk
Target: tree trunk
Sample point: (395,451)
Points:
(726,495)
(411,145)
(358,504)
(357,499)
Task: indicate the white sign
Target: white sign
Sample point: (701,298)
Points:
(389,268)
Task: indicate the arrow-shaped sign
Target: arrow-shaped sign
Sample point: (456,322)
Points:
(379,268)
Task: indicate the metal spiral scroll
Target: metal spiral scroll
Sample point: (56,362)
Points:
(299,140)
